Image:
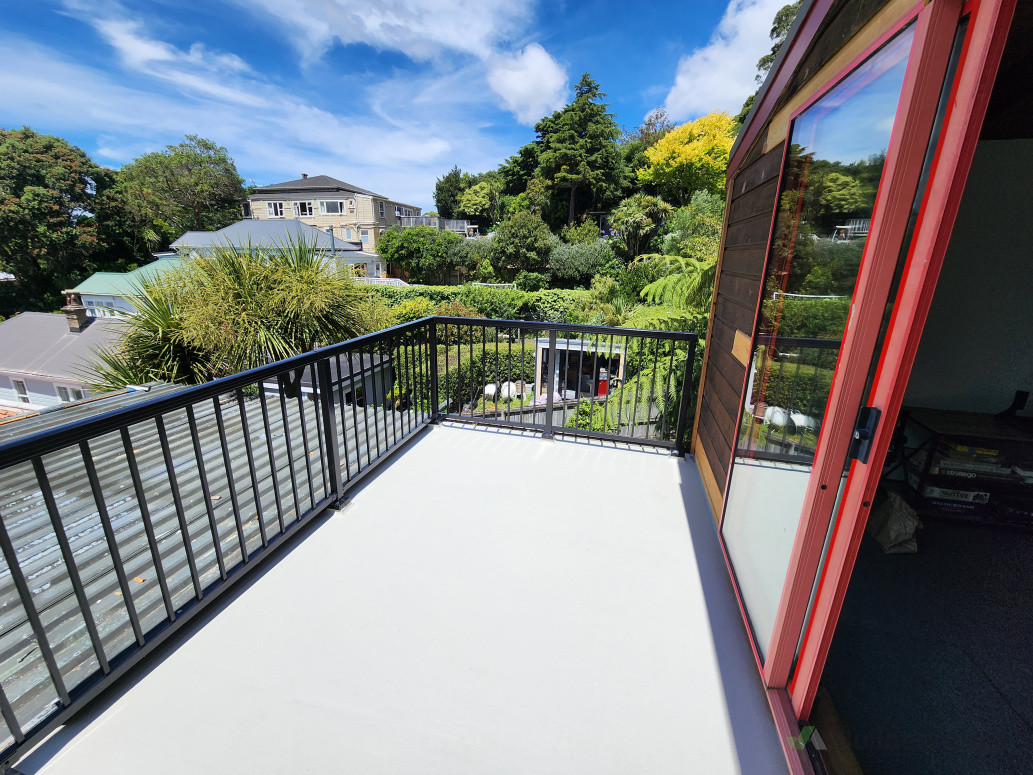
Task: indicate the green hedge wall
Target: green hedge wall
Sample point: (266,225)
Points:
(550,305)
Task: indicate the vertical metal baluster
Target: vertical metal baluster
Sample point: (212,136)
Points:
(70,566)
(668,392)
(498,369)
(205,492)
(289,444)
(177,501)
(145,515)
(365,412)
(10,719)
(304,443)
(550,385)
(7,548)
(229,479)
(245,428)
(355,411)
(383,347)
(594,387)
(523,365)
(638,385)
(325,387)
(274,474)
(405,348)
(448,356)
(683,406)
(425,375)
(509,369)
(652,382)
(109,536)
(435,398)
(609,385)
(625,352)
(344,417)
(317,405)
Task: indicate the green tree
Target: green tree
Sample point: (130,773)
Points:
(842,195)
(577,150)
(572,265)
(190,186)
(780,26)
(425,254)
(636,221)
(693,157)
(447,190)
(235,309)
(60,219)
(694,231)
(481,201)
(522,243)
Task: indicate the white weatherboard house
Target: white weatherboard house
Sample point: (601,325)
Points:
(45,357)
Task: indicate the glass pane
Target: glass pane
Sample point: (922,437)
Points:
(836,155)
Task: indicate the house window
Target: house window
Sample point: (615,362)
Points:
(347,234)
(364,235)
(351,205)
(330,207)
(67,394)
(382,210)
(21,390)
(275,209)
(302,209)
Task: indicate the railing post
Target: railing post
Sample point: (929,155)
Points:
(683,404)
(553,365)
(435,416)
(329,416)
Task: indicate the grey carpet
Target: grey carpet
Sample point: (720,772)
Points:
(931,669)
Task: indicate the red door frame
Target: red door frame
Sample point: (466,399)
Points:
(937,24)
(987,32)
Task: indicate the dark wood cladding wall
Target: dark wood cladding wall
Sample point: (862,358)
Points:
(752,204)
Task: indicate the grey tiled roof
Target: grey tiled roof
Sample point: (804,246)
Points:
(40,344)
(316,182)
(265,234)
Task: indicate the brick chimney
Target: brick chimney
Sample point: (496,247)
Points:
(304,175)
(76,316)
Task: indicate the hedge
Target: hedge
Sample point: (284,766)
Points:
(550,305)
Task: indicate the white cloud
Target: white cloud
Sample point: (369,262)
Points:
(421,29)
(720,75)
(398,154)
(531,83)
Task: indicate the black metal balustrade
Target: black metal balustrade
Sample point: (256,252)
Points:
(118,529)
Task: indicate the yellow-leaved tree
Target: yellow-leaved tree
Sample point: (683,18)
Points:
(692,157)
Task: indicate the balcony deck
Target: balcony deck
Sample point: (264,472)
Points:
(488,602)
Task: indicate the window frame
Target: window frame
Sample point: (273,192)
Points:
(23,393)
(298,206)
(271,209)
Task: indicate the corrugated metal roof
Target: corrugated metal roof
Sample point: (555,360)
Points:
(366,433)
(126,283)
(40,344)
(265,234)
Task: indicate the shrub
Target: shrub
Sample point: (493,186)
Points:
(584,232)
(521,243)
(561,306)
(531,281)
(413,309)
(423,252)
(575,264)
(498,303)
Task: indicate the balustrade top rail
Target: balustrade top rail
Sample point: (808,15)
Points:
(118,529)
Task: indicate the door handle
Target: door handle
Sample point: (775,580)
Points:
(864,432)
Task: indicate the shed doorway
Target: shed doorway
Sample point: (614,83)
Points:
(930,667)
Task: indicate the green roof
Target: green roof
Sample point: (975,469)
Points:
(126,283)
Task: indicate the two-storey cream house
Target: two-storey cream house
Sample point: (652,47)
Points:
(352,213)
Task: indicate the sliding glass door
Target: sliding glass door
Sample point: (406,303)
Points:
(834,161)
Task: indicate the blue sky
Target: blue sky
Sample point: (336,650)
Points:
(385,95)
